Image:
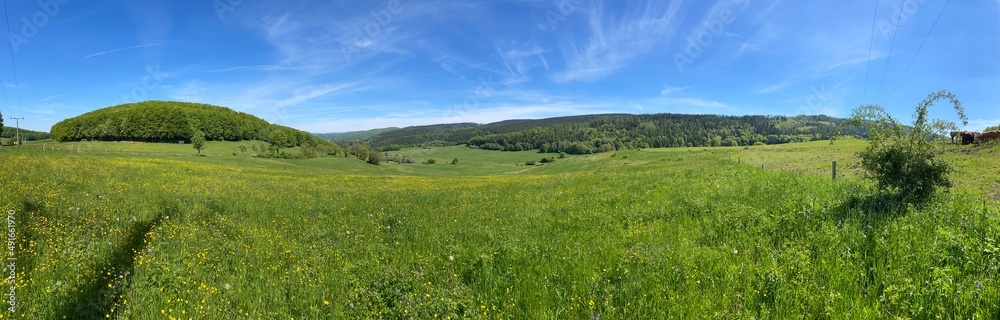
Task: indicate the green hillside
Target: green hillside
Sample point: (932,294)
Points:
(26,135)
(609,132)
(354,135)
(169,121)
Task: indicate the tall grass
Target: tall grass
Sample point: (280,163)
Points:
(659,234)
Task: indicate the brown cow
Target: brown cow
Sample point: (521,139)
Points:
(955,134)
(969,137)
(988,136)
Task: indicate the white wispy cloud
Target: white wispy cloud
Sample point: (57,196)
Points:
(49,98)
(980,124)
(686,105)
(672,90)
(778,86)
(615,40)
(123,49)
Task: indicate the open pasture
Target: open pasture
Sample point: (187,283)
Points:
(660,233)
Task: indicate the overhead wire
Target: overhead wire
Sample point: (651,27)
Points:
(871,44)
(888,58)
(918,50)
(10,44)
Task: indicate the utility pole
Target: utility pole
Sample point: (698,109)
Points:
(18,122)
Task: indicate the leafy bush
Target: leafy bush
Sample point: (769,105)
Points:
(430,161)
(529,163)
(900,159)
(454,161)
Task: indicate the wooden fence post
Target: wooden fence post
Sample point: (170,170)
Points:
(835,170)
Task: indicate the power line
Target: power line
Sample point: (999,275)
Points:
(864,94)
(10,44)
(918,50)
(887,58)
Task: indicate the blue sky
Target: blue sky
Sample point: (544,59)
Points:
(334,66)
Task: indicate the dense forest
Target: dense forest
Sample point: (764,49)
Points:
(166,121)
(26,135)
(601,133)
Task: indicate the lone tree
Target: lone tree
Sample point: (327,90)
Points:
(279,139)
(198,140)
(901,159)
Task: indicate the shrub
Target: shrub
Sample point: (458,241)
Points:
(900,159)
(376,158)
(454,161)
(430,161)
(529,163)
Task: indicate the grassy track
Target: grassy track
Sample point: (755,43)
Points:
(672,233)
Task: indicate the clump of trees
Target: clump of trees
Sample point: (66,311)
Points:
(901,159)
(400,159)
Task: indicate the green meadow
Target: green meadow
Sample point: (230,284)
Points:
(150,231)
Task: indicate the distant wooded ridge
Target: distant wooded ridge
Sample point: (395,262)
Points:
(608,132)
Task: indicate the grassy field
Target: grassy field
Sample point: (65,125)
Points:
(140,231)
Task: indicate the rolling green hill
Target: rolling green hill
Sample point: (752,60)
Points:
(169,121)
(609,132)
(353,135)
(26,135)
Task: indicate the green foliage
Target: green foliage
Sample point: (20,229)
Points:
(901,159)
(243,149)
(993,128)
(26,135)
(604,133)
(376,158)
(454,161)
(430,161)
(198,141)
(529,163)
(99,236)
(166,121)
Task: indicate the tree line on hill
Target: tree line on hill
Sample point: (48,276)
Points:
(166,121)
(26,135)
(603,133)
